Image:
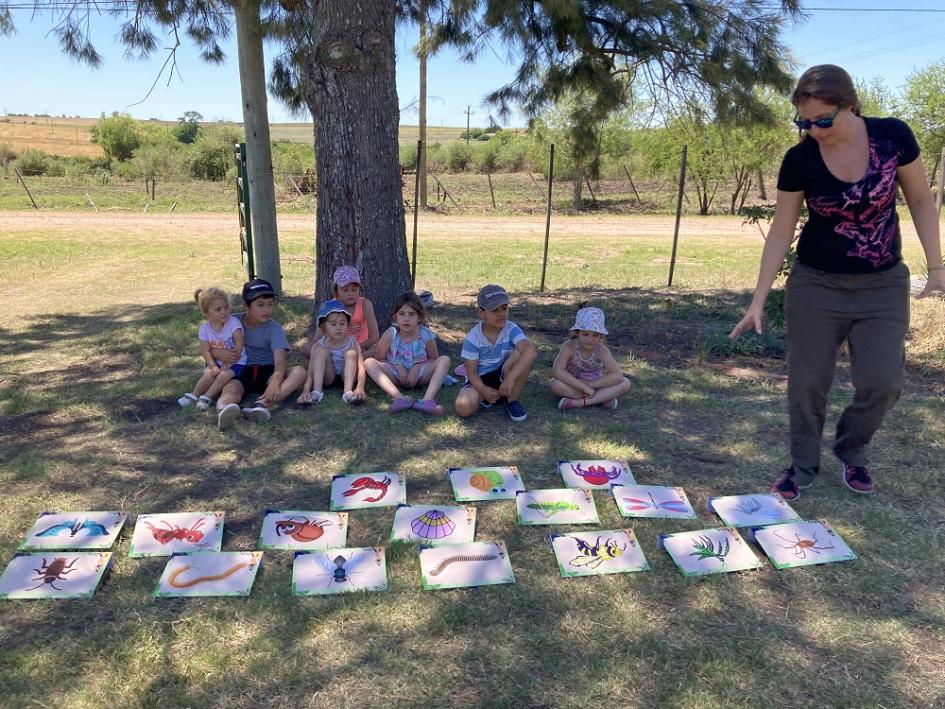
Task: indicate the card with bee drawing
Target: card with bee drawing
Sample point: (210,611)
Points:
(709,551)
(653,501)
(54,575)
(322,573)
(465,565)
(611,551)
(595,474)
(483,484)
(561,506)
(434,524)
(74,530)
(756,510)
(358,491)
(176,533)
(209,573)
(303,529)
(802,544)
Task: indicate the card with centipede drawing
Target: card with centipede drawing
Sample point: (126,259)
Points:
(595,474)
(612,551)
(359,491)
(54,575)
(303,529)
(484,483)
(709,551)
(74,530)
(465,565)
(652,501)
(209,573)
(176,533)
(802,544)
(322,573)
(561,506)
(756,510)
(434,524)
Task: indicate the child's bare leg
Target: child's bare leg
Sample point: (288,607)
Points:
(305,347)
(433,377)
(292,380)
(206,381)
(321,369)
(608,393)
(377,371)
(219,382)
(517,383)
(467,402)
(564,389)
(232,393)
(350,371)
(608,380)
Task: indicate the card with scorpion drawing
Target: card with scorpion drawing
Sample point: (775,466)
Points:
(321,573)
(209,573)
(74,530)
(709,551)
(652,501)
(303,529)
(561,506)
(176,533)
(54,574)
(802,544)
(595,474)
(358,491)
(465,565)
(612,551)
(434,524)
(483,484)
(758,510)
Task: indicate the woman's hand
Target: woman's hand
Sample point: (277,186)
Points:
(752,319)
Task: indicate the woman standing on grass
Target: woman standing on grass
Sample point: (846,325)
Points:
(849,282)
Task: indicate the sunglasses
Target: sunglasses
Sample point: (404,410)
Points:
(805,124)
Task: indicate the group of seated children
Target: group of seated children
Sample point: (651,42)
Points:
(247,355)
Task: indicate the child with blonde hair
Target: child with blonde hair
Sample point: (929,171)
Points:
(334,354)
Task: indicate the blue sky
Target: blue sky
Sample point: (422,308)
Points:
(869,44)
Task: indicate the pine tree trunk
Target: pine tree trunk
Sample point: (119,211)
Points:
(352,95)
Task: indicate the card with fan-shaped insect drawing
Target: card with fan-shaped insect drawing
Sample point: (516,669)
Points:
(802,544)
(482,484)
(434,525)
(465,565)
(209,573)
(754,510)
(54,575)
(303,529)
(348,570)
(612,551)
(74,530)
(709,551)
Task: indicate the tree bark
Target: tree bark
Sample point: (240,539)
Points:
(352,94)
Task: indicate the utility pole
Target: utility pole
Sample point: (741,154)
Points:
(422,154)
(468,114)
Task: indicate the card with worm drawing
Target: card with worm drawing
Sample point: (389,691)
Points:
(561,506)
(612,551)
(176,533)
(434,524)
(595,474)
(322,573)
(358,491)
(74,530)
(484,483)
(209,573)
(303,529)
(465,565)
(61,574)
(757,510)
(802,544)
(709,551)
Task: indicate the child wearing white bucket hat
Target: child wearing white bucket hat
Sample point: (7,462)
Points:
(584,372)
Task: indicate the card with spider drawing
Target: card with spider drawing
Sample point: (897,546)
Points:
(74,530)
(653,501)
(595,474)
(176,533)
(465,565)
(612,551)
(758,510)
(562,506)
(209,573)
(434,524)
(709,551)
(802,544)
(484,484)
(321,573)
(303,529)
(358,491)
(54,574)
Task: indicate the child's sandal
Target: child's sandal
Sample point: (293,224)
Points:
(187,399)
(349,397)
(204,402)
(313,397)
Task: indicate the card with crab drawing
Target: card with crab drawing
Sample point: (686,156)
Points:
(74,530)
(595,474)
(484,484)
(209,573)
(359,491)
(303,529)
(758,510)
(176,533)
(434,524)
(802,544)
(321,573)
(612,551)
(561,506)
(465,565)
(54,574)
(709,551)
(653,501)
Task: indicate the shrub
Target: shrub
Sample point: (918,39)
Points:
(7,154)
(292,158)
(34,162)
(117,135)
(212,156)
(459,157)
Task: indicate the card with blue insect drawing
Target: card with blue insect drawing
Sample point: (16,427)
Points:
(485,483)
(613,551)
(359,491)
(802,544)
(176,533)
(303,529)
(559,506)
(595,474)
(434,524)
(209,573)
(652,501)
(709,551)
(54,575)
(323,573)
(465,566)
(74,530)
(757,510)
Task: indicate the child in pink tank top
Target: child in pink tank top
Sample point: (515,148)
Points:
(363,327)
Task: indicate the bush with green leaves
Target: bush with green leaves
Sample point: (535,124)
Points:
(35,162)
(292,158)
(460,157)
(212,156)
(7,154)
(118,136)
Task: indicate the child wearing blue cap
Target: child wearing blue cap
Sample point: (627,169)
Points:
(335,353)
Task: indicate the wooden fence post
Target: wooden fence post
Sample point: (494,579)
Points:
(682,185)
(23,182)
(551,175)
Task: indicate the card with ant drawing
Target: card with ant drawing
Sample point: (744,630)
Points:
(652,501)
(561,506)
(485,483)
(802,544)
(612,551)
(322,573)
(209,573)
(595,474)
(758,510)
(709,551)
(176,533)
(465,565)
(434,524)
(303,529)
(358,491)
(54,574)
(74,530)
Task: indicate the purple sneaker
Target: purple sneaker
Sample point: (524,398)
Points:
(399,404)
(858,479)
(428,406)
(786,487)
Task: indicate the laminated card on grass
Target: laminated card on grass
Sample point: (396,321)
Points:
(709,551)
(653,501)
(358,491)
(802,544)
(321,573)
(74,530)
(176,533)
(209,573)
(50,575)
(758,510)
(434,524)
(303,529)
(595,474)
(483,484)
(561,506)
(465,565)
(612,551)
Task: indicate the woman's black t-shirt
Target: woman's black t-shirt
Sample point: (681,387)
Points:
(852,226)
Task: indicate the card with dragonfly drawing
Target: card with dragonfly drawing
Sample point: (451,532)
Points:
(561,506)
(483,484)
(465,565)
(74,530)
(321,573)
(434,524)
(358,491)
(303,529)
(595,474)
(612,551)
(53,575)
(653,501)
(709,551)
(802,544)
(758,510)
(176,533)
(209,573)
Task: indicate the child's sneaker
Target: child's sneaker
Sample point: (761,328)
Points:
(567,404)
(187,399)
(227,415)
(399,404)
(857,478)
(516,411)
(428,406)
(787,487)
(257,413)
(610,404)
(204,403)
